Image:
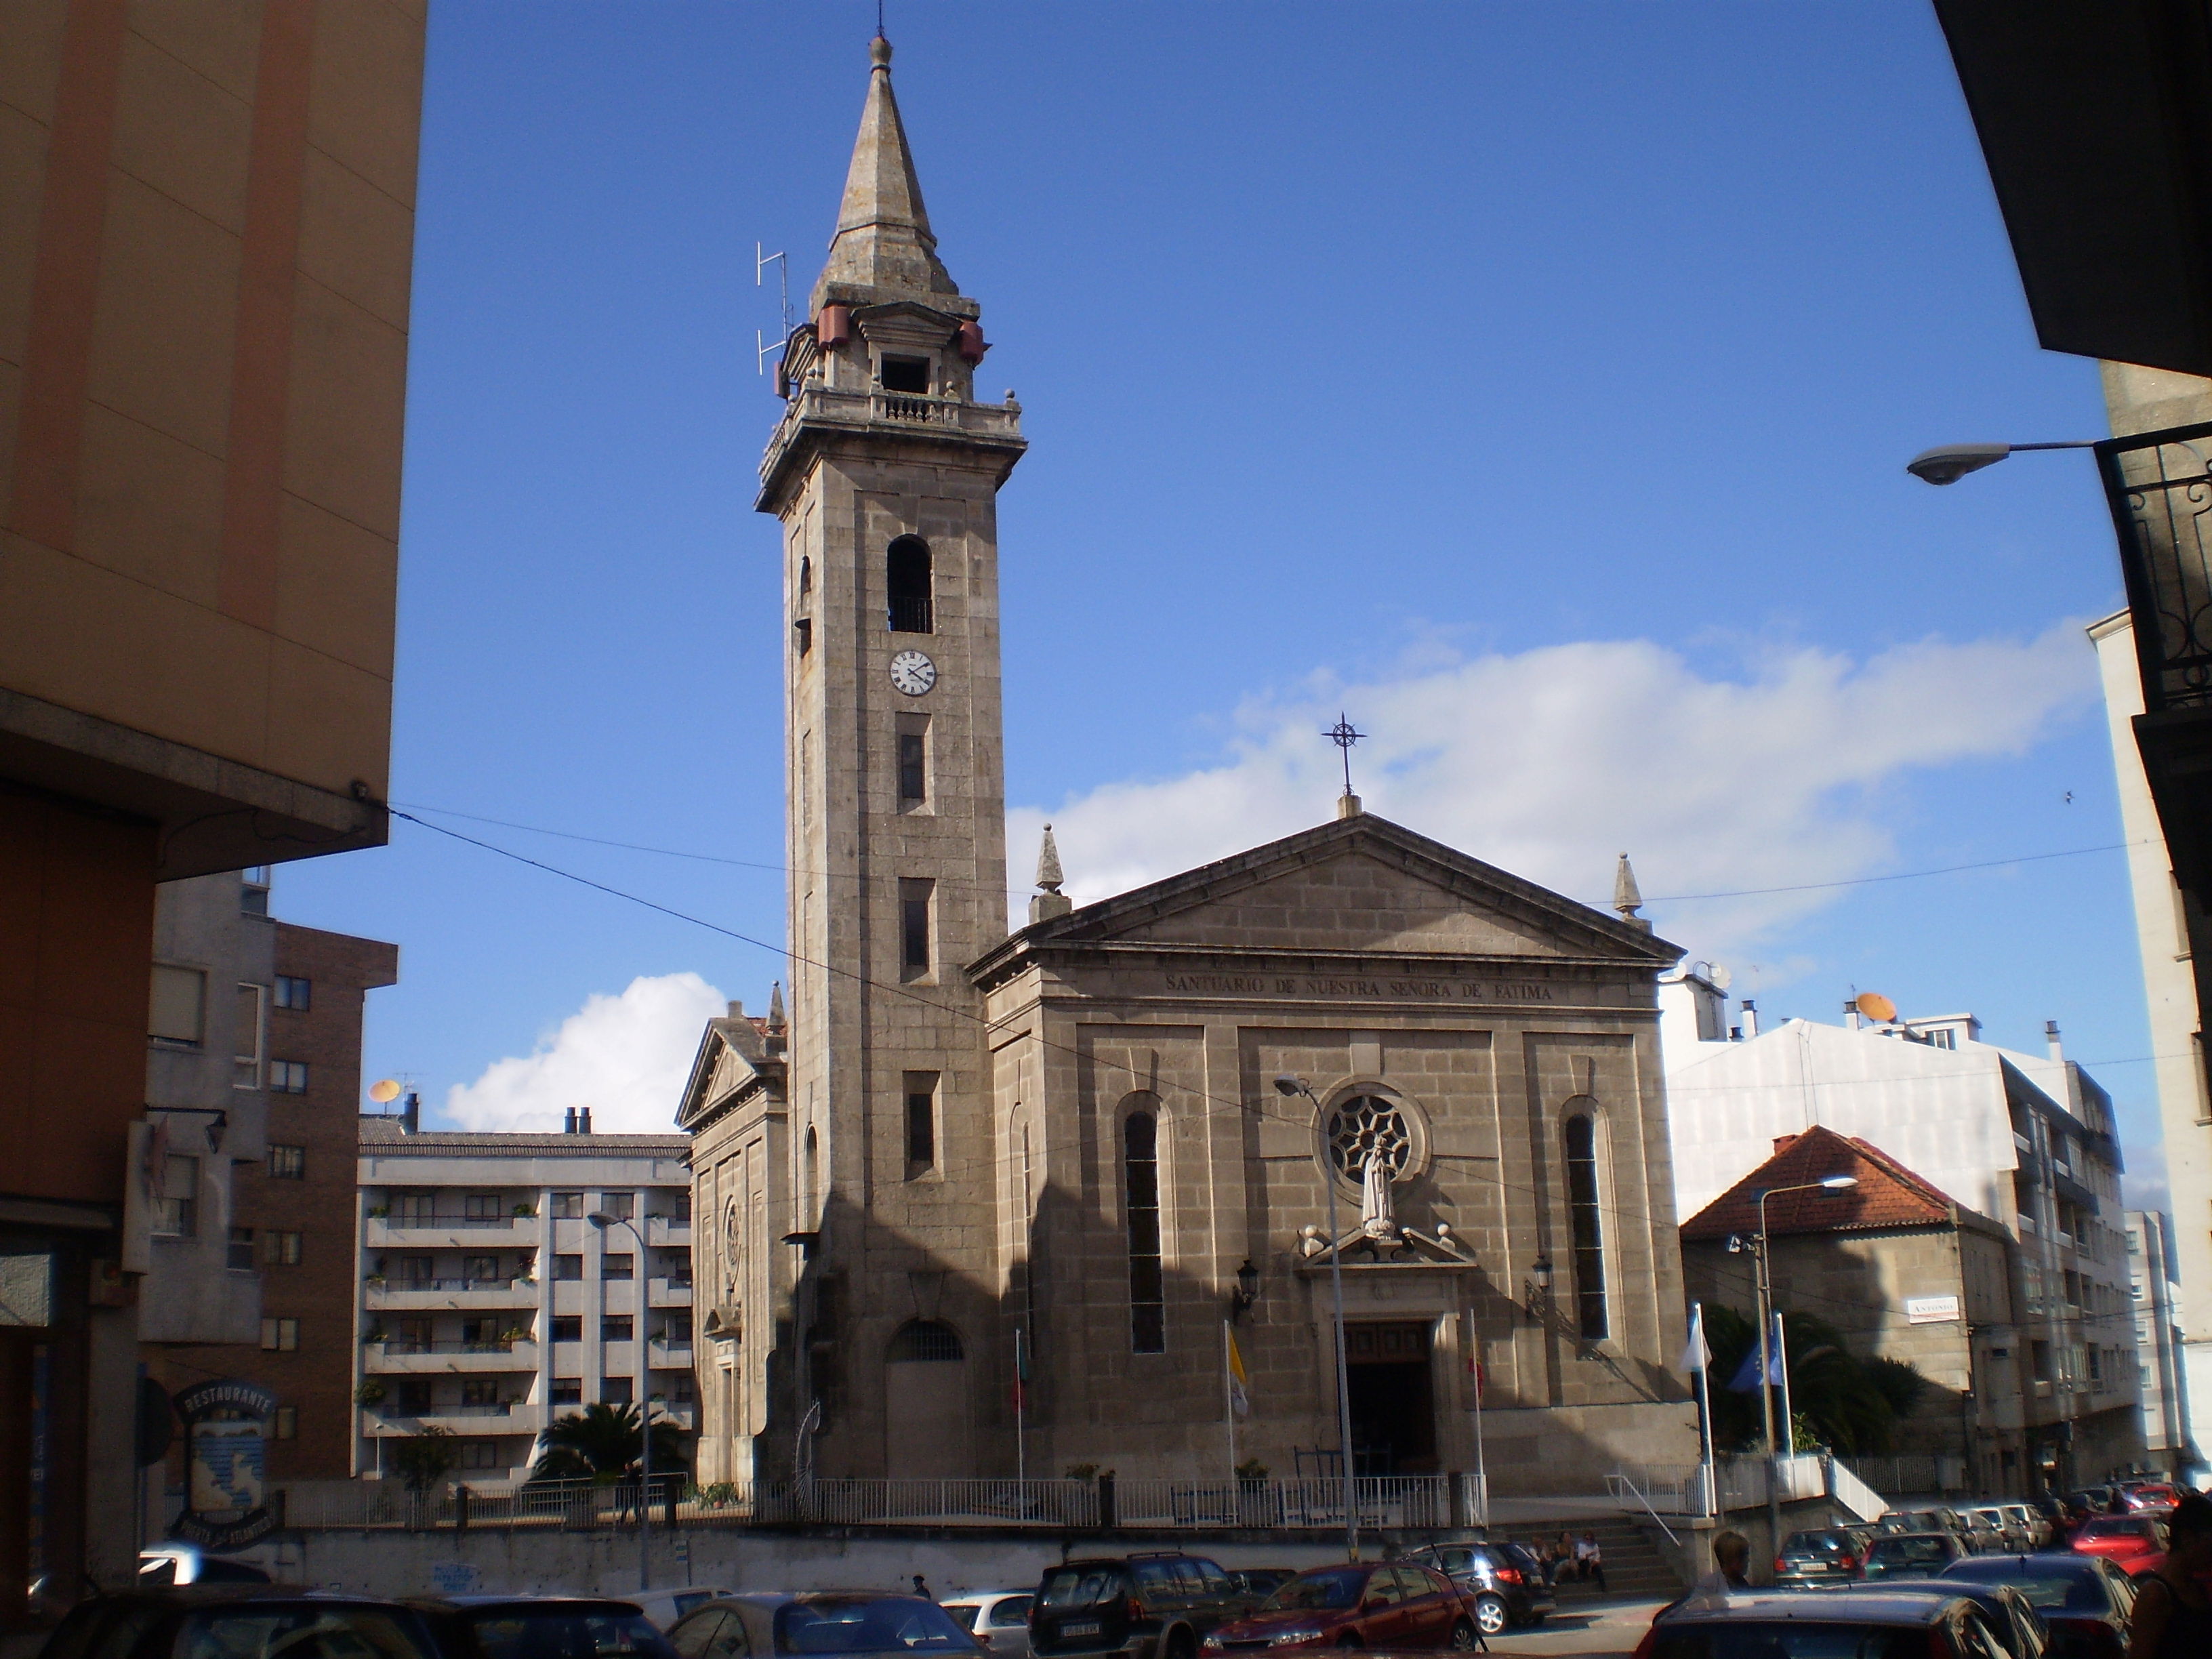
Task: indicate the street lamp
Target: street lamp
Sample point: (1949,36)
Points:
(1290,1084)
(644,1282)
(1538,1293)
(1948,463)
(1246,1292)
(1831,1184)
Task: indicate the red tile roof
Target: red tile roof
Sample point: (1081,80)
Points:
(1889,1194)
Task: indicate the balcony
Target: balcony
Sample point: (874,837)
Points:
(513,1417)
(439,1358)
(441,1295)
(815,406)
(669,1292)
(453,1233)
(668,1356)
(667,1229)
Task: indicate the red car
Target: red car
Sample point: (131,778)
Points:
(1389,1606)
(2153,1495)
(2136,1544)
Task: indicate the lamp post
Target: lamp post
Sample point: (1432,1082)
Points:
(1834,1183)
(1948,463)
(644,1283)
(1289,1084)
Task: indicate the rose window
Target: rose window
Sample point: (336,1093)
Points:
(1363,1126)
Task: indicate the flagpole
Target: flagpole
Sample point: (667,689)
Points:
(1021,1406)
(1475,1362)
(1698,1347)
(1229,1398)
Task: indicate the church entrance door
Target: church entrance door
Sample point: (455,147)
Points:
(1393,1428)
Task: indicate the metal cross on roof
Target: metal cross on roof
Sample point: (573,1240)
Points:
(1343,736)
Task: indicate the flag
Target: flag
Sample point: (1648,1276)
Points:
(1746,1376)
(1240,1397)
(1697,1356)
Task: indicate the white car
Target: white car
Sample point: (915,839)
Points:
(998,1619)
(187,1563)
(666,1606)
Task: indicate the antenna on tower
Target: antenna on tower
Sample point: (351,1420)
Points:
(760,263)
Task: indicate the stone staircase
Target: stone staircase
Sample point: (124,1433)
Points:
(1633,1564)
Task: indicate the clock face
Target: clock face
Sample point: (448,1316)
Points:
(913,672)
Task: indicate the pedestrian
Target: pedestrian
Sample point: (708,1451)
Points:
(1731,1566)
(1590,1559)
(922,1588)
(2173,1614)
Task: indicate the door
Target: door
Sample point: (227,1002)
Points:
(1383,1611)
(925,1404)
(1430,1610)
(1394,1429)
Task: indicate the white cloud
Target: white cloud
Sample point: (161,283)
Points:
(626,1057)
(1550,762)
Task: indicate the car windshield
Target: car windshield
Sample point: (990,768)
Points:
(1811,1543)
(566,1633)
(2044,1587)
(1331,1589)
(2116,1526)
(249,1630)
(1793,1640)
(1890,1551)
(1518,1555)
(1080,1587)
(868,1623)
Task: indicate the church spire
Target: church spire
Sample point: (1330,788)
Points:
(884,240)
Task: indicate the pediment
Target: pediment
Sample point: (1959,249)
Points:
(1358,885)
(721,1068)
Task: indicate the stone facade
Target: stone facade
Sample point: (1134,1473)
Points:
(1069,1141)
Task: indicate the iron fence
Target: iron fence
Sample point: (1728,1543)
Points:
(2159,487)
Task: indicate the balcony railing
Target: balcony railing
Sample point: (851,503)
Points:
(449,1284)
(2158,486)
(396,1344)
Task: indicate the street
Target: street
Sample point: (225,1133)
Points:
(1599,1627)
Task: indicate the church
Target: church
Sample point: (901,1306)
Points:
(982,1203)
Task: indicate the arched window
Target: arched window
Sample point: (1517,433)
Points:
(810,1186)
(906,581)
(1140,1166)
(1583,1219)
(924,1341)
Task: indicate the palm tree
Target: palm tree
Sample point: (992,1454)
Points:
(601,1444)
(1849,1404)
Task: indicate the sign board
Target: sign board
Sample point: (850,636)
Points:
(1931,1310)
(226,1506)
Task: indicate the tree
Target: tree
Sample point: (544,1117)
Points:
(601,1443)
(423,1459)
(1850,1405)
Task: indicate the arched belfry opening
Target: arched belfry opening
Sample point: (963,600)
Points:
(907,583)
(926,1406)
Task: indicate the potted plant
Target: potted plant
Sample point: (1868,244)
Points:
(525,1212)
(370,1392)
(378,1212)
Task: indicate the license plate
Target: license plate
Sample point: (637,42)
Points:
(1080,1627)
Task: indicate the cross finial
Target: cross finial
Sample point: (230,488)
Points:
(1344,734)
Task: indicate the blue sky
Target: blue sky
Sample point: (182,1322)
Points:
(1488,371)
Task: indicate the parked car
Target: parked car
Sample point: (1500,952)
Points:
(998,1619)
(825,1622)
(2032,1523)
(2153,1495)
(1258,1583)
(535,1626)
(2085,1601)
(2136,1544)
(1867,1624)
(1387,1606)
(666,1606)
(1828,1556)
(2009,1612)
(1158,1606)
(188,1563)
(1911,1554)
(1505,1582)
(1993,1532)
(240,1621)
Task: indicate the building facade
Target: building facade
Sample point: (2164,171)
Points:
(490,1305)
(206,227)
(1068,1143)
(2158,1346)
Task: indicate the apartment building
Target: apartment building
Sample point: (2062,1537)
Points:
(490,1303)
(2159,1347)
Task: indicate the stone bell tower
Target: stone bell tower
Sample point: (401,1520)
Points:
(884,471)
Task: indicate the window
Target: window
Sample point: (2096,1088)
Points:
(254,891)
(285,1424)
(617,1267)
(289,1077)
(280,1249)
(483,1206)
(294,993)
(415,1270)
(615,1327)
(179,1009)
(414,1209)
(1582,1219)
(480,1391)
(675,1328)
(681,1388)
(567,1328)
(906,374)
(622,1207)
(913,760)
(480,1455)
(481,1270)
(246,1067)
(287,1162)
(802,634)
(615,1390)
(568,1267)
(1141,1201)
(176,1212)
(482,1335)
(924,1341)
(411,1396)
(907,583)
(810,1169)
(280,1336)
(240,1257)
(914,926)
(567,1206)
(568,1391)
(920,1122)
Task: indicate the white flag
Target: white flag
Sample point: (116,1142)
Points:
(1697,1356)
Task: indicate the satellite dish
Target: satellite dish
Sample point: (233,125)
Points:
(1719,976)
(1876,1007)
(384,1093)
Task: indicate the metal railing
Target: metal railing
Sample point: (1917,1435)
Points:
(419,1221)
(392,1344)
(390,1285)
(2158,486)
(1624,1486)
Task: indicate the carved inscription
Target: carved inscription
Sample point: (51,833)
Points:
(1334,989)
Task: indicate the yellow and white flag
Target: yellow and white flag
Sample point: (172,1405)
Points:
(1240,1397)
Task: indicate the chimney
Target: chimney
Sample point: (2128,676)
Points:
(1750,1017)
(1851,1014)
(411,1114)
(1781,1144)
(583,1120)
(2050,1039)
(569,1121)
